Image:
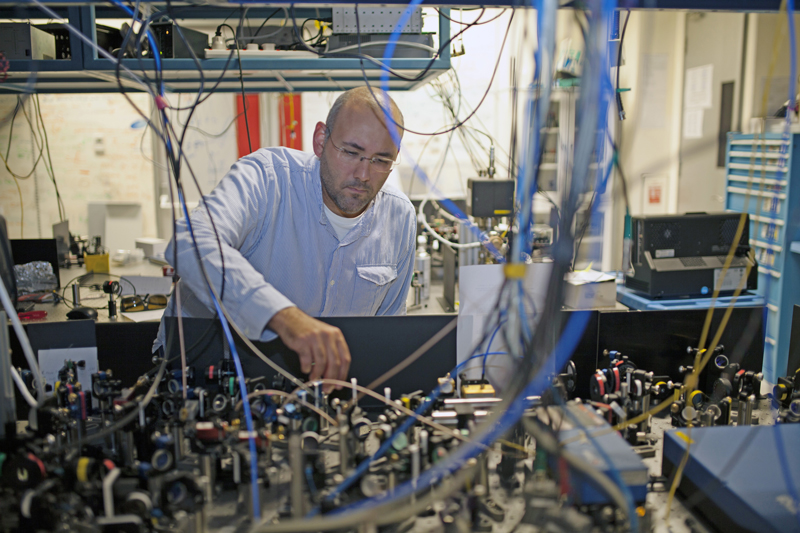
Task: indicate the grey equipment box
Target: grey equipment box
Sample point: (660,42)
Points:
(490,197)
(20,40)
(409,46)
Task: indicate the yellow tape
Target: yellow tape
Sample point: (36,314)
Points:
(514,270)
(684,437)
(502,211)
(82,470)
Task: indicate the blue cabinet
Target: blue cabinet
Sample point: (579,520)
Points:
(756,184)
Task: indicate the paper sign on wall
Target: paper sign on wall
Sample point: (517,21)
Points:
(654,191)
(698,87)
(693,123)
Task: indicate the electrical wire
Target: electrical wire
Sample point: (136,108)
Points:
(577,321)
(692,380)
(426,404)
(272,392)
(23,389)
(24,342)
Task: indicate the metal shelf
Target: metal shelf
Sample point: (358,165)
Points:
(694,5)
(86,72)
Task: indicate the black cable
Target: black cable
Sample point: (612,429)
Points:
(371,59)
(618,96)
(185,130)
(471,23)
(265,22)
(483,98)
(20,104)
(241,82)
(61,207)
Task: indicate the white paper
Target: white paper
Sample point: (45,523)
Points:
(145,316)
(51,361)
(145,285)
(698,87)
(654,91)
(478,289)
(693,123)
(582,277)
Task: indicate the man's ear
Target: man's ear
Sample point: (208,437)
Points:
(319,138)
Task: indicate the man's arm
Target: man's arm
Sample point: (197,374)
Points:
(241,206)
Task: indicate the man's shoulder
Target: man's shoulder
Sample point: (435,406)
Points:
(282,158)
(397,200)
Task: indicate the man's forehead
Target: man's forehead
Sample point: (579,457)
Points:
(353,121)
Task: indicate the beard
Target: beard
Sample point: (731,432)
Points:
(348,202)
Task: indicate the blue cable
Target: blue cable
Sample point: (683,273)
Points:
(456,460)
(394,133)
(362,468)
(150,39)
(564,348)
(489,347)
(248,416)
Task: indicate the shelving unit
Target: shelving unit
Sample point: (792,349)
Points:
(772,199)
(555,172)
(87,72)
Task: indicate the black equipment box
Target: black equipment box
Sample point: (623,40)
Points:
(170,44)
(490,197)
(683,255)
(108,38)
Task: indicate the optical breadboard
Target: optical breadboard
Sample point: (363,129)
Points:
(736,476)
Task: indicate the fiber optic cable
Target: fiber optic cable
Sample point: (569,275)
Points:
(427,402)
(239,372)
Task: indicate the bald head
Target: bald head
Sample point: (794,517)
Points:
(362,97)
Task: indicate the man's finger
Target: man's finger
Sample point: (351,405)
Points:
(344,353)
(334,361)
(320,360)
(306,361)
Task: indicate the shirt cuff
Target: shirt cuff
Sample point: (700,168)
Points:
(258,310)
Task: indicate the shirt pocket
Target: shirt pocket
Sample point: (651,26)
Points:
(372,284)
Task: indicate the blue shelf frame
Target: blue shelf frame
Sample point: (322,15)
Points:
(86,72)
(693,5)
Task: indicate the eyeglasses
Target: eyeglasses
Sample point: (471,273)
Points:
(151,302)
(381,165)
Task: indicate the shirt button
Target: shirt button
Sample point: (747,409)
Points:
(332,282)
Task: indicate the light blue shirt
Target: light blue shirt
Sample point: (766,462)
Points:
(281,250)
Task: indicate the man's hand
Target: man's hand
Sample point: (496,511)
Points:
(321,348)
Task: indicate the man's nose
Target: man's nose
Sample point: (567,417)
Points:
(362,170)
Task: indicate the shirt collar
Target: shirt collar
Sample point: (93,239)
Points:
(367,220)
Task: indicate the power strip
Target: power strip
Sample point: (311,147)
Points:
(263,54)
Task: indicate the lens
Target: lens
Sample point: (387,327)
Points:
(131,304)
(381,165)
(156,301)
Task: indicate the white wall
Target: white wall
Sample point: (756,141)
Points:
(74,124)
(651,131)
(763,27)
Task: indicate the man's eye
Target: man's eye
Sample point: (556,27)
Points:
(350,154)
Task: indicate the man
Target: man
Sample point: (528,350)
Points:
(306,236)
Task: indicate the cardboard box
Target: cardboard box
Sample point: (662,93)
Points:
(589,289)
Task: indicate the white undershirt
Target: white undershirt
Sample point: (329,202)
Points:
(341,225)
